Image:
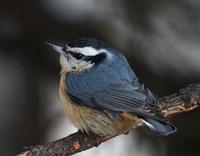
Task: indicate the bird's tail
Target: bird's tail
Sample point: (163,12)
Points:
(160,127)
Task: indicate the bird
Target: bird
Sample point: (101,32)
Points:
(101,93)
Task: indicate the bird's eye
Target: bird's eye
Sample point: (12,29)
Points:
(64,49)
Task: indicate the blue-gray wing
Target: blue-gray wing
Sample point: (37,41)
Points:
(123,97)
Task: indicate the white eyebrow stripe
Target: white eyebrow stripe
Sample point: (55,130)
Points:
(88,51)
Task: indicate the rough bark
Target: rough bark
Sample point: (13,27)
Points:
(186,99)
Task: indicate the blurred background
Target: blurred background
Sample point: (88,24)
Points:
(161,40)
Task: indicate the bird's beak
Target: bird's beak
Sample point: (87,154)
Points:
(59,49)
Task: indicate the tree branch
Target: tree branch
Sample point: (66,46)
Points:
(184,100)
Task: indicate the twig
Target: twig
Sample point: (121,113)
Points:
(184,100)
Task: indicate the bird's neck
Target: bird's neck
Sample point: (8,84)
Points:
(65,70)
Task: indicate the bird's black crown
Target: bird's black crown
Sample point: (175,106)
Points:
(87,42)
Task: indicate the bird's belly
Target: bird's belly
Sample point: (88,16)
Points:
(96,121)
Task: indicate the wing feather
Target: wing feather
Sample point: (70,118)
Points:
(120,99)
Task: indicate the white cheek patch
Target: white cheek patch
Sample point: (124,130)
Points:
(88,51)
(71,62)
(63,61)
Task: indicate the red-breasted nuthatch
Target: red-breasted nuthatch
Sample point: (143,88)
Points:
(101,93)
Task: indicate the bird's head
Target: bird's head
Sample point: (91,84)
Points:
(82,54)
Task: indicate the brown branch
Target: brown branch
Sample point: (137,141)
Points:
(69,145)
(184,100)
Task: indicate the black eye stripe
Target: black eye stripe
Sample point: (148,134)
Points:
(95,59)
(78,56)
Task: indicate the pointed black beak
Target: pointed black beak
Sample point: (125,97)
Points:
(57,48)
